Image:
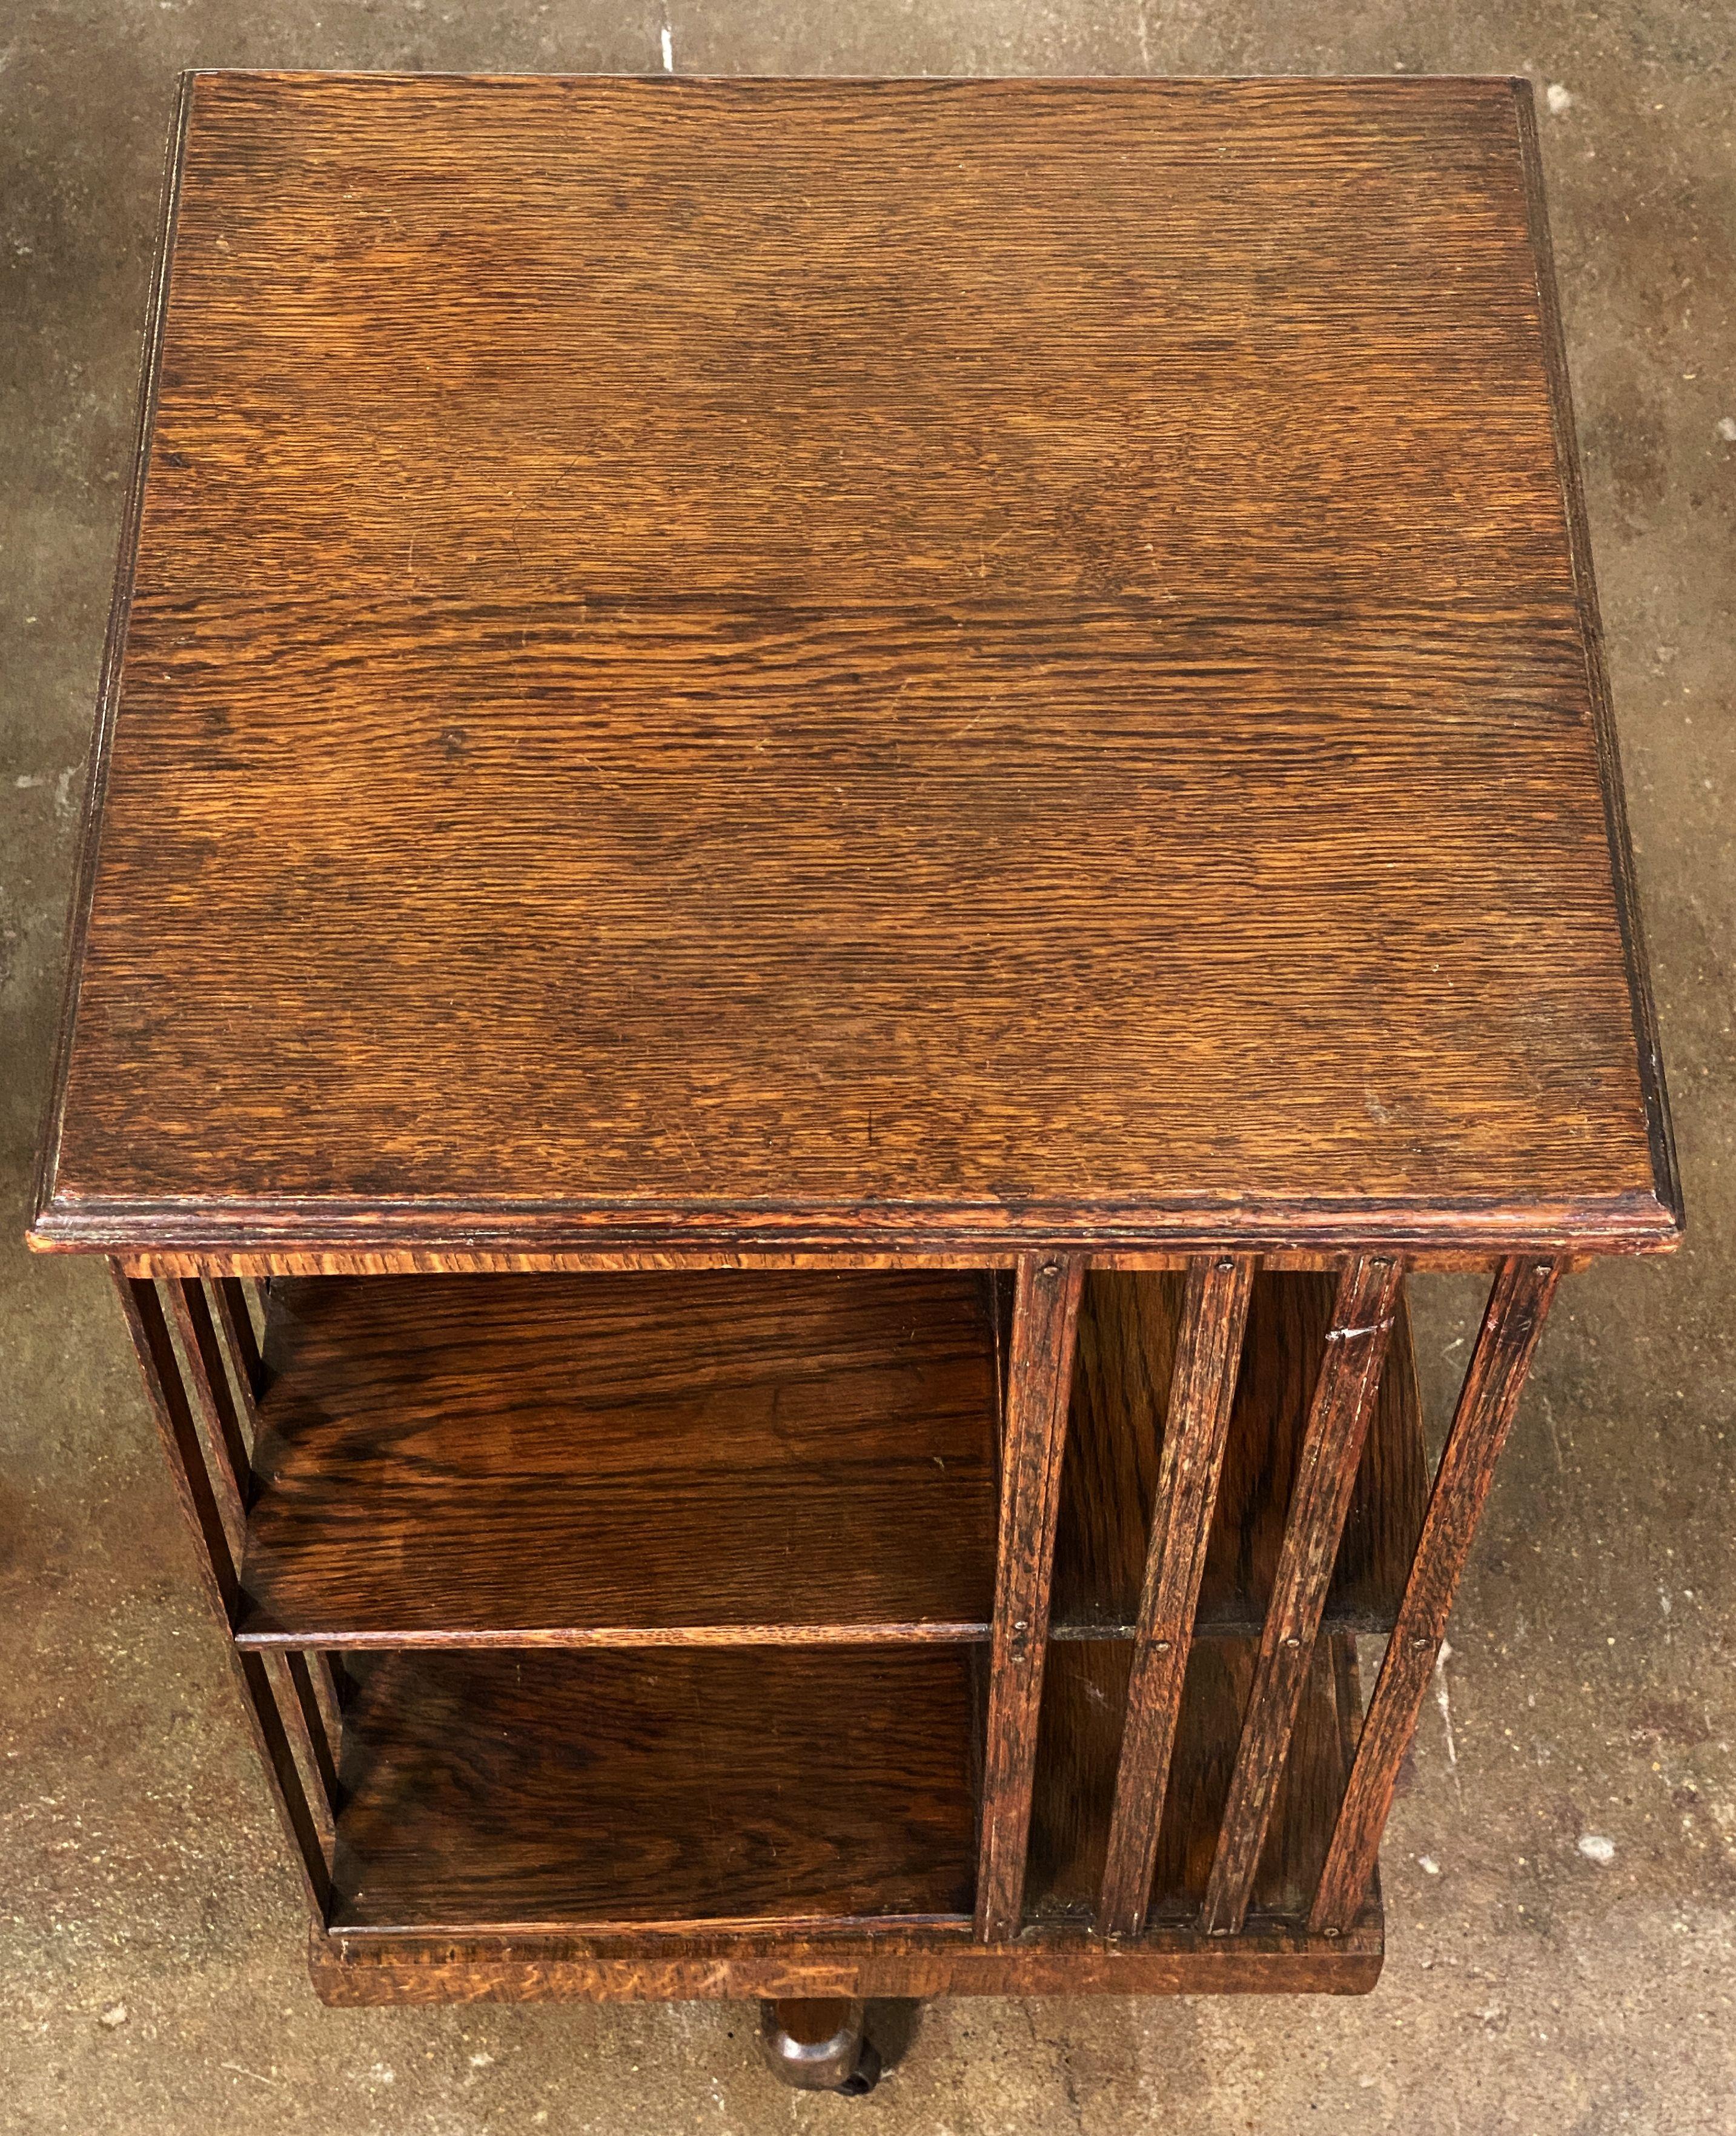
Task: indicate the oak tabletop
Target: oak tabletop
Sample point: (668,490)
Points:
(906,661)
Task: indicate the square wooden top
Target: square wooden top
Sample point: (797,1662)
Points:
(901,663)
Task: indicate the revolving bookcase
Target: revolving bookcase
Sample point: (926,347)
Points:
(831,822)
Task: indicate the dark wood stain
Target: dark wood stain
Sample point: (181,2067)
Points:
(1044,1314)
(1208,1359)
(192,1466)
(228,1459)
(624,1458)
(229,1301)
(810,798)
(1085,1698)
(863,663)
(500,1789)
(352,1970)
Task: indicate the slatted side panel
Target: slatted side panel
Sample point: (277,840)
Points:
(1196,1425)
(1046,1314)
(1202,1389)
(200,1413)
(1487,1406)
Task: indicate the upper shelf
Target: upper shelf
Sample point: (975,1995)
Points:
(751,1458)
(625,1459)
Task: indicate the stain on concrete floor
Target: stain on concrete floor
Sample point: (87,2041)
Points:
(1561,1890)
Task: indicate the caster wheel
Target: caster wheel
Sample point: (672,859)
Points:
(819,2046)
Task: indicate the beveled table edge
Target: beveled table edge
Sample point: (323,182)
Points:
(1637,1222)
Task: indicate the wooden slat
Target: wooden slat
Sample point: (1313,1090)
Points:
(1488,1401)
(1362,1318)
(320,1744)
(1046,1309)
(1195,1429)
(208,1385)
(235,1316)
(273,1735)
(292,1692)
(322,1670)
(191,1471)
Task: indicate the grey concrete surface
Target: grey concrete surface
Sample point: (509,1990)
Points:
(151,1977)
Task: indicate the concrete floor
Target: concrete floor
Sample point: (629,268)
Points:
(152,1980)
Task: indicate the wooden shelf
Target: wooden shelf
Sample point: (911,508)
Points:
(1126,1345)
(625,1459)
(1085,1699)
(484,1790)
(763,1457)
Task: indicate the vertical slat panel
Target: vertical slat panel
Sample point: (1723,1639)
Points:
(213,1398)
(1046,1309)
(321,1737)
(1488,1401)
(1196,1424)
(190,1467)
(1325,1475)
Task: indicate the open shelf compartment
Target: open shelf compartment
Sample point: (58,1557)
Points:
(656,1606)
(625,1459)
(1079,1747)
(497,1790)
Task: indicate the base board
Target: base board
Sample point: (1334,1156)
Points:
(352,1970)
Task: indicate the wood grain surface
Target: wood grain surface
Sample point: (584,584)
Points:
(1208,1362)
(1275,1959)
(901,663)
(625,1459)
(496,1789)
(1039,1377)
(276,1724)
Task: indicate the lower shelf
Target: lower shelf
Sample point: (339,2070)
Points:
(540,1787)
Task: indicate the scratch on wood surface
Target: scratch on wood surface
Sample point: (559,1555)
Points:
(1443,1699)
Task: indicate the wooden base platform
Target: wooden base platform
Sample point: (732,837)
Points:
(354,1970)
